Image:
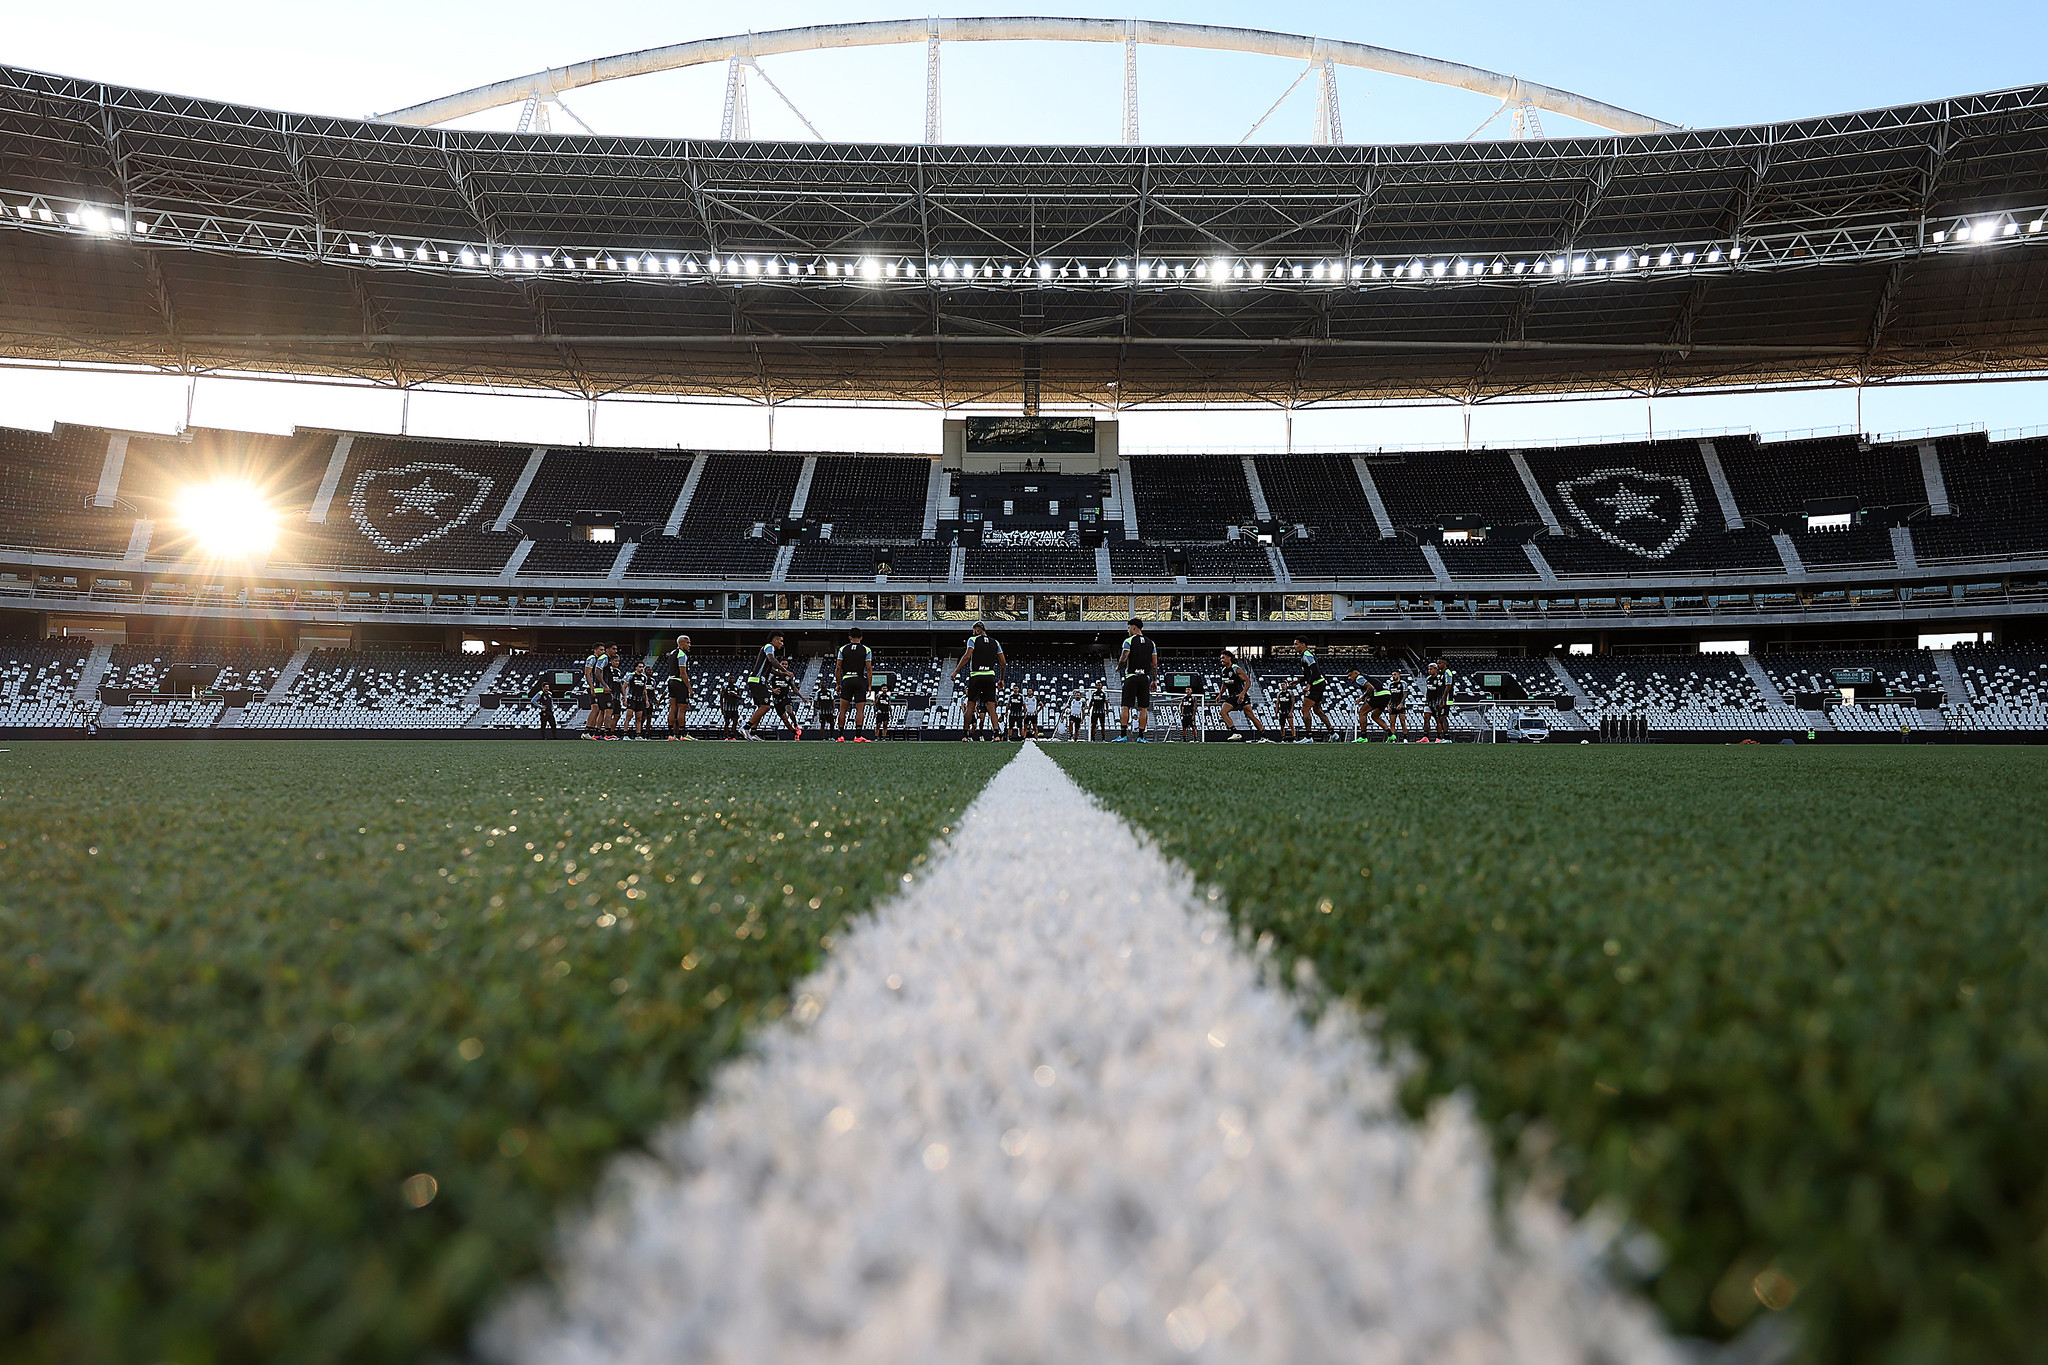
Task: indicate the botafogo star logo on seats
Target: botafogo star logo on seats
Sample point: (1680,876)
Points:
(1644,513)
(404,507)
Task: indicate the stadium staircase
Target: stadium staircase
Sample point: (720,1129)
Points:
(138,543)
(486,680)
(1952,685)
(88,689)
(1815,720)
(1103,572)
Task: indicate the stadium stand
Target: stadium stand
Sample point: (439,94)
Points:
(569,559)
(1639,508)
(39,683)
(1423,491)
(1999,497)
(353,691)
(1189,498)
(869,497)
(1321,492)
(405,505)
(636,485)
(47,482)
(2008,690)
(1037,562)
(1683,692)
(144,667)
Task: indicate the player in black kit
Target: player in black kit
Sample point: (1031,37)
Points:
(1190,714)
(982,661)
(1235,689)
(1436,697)
(1313,684)
(679,689)
(769,669)
(1138,663)
(855,668)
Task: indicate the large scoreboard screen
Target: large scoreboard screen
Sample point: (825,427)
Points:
(1855,677)
(1031,435)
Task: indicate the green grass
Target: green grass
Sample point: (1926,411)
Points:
(1787,1007)
(249,991)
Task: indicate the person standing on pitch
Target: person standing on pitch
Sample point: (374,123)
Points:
(769,669)
(679,689)
(594,693)
(1436,697)
(1397,703)
(1138,662)
(544,698)
(983,663)
(1098,714)
(854,666)
(884,703)
(1235,689)
(1312,684)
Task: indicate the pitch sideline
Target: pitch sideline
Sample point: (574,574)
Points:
(1040,1107)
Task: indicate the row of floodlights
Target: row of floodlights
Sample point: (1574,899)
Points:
(876,269)
(1219,270)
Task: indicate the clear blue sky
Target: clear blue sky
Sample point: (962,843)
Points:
(1739,62)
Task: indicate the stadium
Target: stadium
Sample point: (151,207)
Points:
(1665,986)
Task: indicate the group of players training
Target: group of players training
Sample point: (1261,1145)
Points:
(622,701)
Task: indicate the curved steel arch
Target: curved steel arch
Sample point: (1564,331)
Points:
(543,84)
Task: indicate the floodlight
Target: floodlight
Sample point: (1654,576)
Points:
(1940,237)
(116,225)
(1437,270)
(443,255)
(1686,259)
(871,269)
(1006,271)
(1219,270)
(2034,226)
(1375,269)
(1123,270)
(44,214)
(377,250)
(1520,266)
(143,227)
(967,270)
(1664,259)
(1714,256)
(1734,253)
(675,267)
(2008,230)
(227,519)
(1180,272)
(1045,270)
(1579,266)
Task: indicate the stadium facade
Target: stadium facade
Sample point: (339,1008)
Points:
(181,235)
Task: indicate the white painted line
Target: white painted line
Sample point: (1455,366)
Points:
(1041,1108)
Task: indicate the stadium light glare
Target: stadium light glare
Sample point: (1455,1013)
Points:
(871,269)
(1375,269)
(1219,270)
(228,519)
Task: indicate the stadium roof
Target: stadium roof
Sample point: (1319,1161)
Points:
(144,228)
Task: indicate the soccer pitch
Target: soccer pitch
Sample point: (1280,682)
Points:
(306,1044)
(309,1046)
(1787,1006)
